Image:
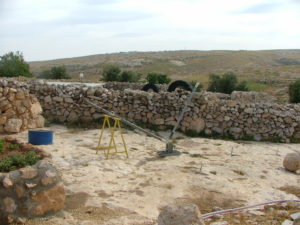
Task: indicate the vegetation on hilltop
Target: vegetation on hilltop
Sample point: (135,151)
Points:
(56,72)
(114,73)
(158,78)
(13,64)
(226,83)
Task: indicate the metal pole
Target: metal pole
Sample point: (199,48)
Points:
(183,111)
(126,121)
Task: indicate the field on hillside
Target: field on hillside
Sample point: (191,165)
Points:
(269,70)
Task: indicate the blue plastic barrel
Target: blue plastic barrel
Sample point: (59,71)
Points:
(40,137)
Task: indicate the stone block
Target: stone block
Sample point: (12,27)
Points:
(13,125)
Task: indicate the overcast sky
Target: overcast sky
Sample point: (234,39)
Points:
(49,29)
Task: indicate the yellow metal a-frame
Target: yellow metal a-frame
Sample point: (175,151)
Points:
(113,128)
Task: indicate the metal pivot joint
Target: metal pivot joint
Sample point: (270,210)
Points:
(169,145)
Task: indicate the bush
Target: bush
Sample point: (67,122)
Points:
(13,65)
(111,73)
(242,86)
(158,78)
(129,76)
(226,84)
(152,78)
(16,161)
(294,91)
(56,72)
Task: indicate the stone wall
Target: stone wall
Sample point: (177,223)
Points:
(30,191)
(237,115)
(18,109)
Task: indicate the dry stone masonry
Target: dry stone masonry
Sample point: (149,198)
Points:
(19,110)
(30,191)
(239,115)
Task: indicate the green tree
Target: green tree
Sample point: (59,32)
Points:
(158,78)
(111,73)
(294,91)
(129,76)
(13,65)
(152,78)
(214,83)
(56,72)
(163,79)
(226,84)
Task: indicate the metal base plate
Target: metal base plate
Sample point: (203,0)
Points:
(168,153)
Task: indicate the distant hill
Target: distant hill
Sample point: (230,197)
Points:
(259,67)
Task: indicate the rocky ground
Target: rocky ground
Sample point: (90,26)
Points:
(212,174)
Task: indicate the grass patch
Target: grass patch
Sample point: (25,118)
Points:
(255,86)
(295,140)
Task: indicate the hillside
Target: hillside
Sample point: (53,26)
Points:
(265,70)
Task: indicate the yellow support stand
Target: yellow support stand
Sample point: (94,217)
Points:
(116,125)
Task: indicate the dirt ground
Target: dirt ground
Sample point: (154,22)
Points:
(120,190)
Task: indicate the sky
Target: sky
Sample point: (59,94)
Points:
(50,29)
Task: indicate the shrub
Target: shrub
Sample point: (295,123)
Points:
(163,79)
(214,83)
(56,72)
(242,86)
(15,161)
(158,78)
(226,84)
(14,146)
(111,73)
(13,65)
(294,91)
(129,76)
(152,78)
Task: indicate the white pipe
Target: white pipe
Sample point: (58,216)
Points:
(208,215)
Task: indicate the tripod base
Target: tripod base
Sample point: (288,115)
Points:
(169,151)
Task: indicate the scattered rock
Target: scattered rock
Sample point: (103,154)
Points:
(291,162)
(187,214)
(295,216)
